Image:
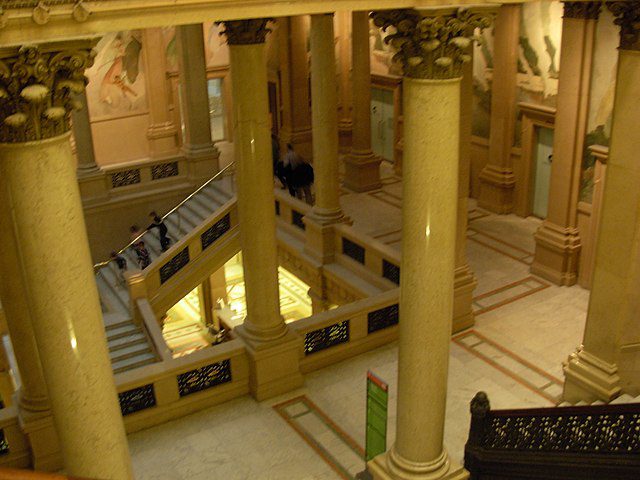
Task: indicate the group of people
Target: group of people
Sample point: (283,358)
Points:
(142,254)
(293,171)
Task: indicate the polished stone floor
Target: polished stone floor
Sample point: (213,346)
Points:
(525,327)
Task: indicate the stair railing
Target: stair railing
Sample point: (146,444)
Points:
(166,215)
(585,442)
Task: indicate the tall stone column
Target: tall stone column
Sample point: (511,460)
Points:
(433,55)
(324,114)
(497,180)
(558,239)
(344,59)
(362,167)
(293,35)
(607,361)
(161,133)
(42,213)
(272,347)
(194,102)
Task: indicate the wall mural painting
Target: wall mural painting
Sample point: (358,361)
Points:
(117,79)
(216,49)
(170,48)
(381,53)
(603,79)
(482,76)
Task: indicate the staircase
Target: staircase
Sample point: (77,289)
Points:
(596,441)
(129,345)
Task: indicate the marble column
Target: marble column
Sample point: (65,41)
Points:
(83,137)
(558,239)
(194,102)
(362,166)
(497,180)
(293,36)
(42,211)
(608,360)
(327,210)
(272,346)
(343,26)
(433,58)
(161,132)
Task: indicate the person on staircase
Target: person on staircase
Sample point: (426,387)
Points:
(158,223)
(121,264)
(298,175)
(144,259)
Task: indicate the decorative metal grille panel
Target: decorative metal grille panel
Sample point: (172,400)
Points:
(353,250)
(205,377)
(391,272)
(164,170)
(216,230)
(383,318)
(137,399)
(126,177)
(585,433)
(174,265)
(7,4)
(277,208)
(326,337)
(296,219)
(4,446)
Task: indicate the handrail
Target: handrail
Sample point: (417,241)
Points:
(164,217)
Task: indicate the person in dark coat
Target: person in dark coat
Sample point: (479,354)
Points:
(158,223)
(121,263)
(299,175)
(278,169)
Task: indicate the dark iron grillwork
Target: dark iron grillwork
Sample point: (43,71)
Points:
(137,399)
(383,318)
(391,272)
(214,232)
(124,178)
(164,170)
(296,219)
(174,265)
(327,337)
(204,377)
(4,446)
(352,250)
(277,208)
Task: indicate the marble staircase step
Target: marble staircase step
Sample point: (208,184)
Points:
(198,209)
(129,351)
(133,362)
(123,330)
(119,343)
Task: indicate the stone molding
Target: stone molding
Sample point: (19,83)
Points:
(628,19)
(37,86)
(246,32)
(583,10)
(432,44)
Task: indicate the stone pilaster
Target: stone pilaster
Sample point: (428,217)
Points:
(497,180)
(42,213)
(433,47)
(273,348)
(607,363)
(558,239)
(344,27)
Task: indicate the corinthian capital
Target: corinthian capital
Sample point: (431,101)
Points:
(628,19)
(434,43)
(246,32)
(585,10)
(37,84)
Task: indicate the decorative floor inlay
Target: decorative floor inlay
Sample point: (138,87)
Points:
(507,294)
(334,445)
(522,371)
(500,246)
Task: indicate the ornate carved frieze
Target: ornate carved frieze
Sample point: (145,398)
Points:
(36,89)
(246,32)
(585,10)
(628,19)
(432,44)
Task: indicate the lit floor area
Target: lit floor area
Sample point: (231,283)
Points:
(525,328)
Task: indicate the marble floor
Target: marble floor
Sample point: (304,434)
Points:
(525,327)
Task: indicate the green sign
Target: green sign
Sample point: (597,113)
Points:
(377,398)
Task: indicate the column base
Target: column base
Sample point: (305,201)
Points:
(320,242)
(43,440)
(557,253)
(274,365)
(301,140)
(390,466)
(496,189)
(588,378)
(362,171)
(345,135)
(202,161)
(464,284)
(162,139)
(92,184)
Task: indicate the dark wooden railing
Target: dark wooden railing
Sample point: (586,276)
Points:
(591,442)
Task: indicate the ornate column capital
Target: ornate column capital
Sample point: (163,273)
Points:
(37,83)
(433,43)
(628,18)
(246,32)
(584,10)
